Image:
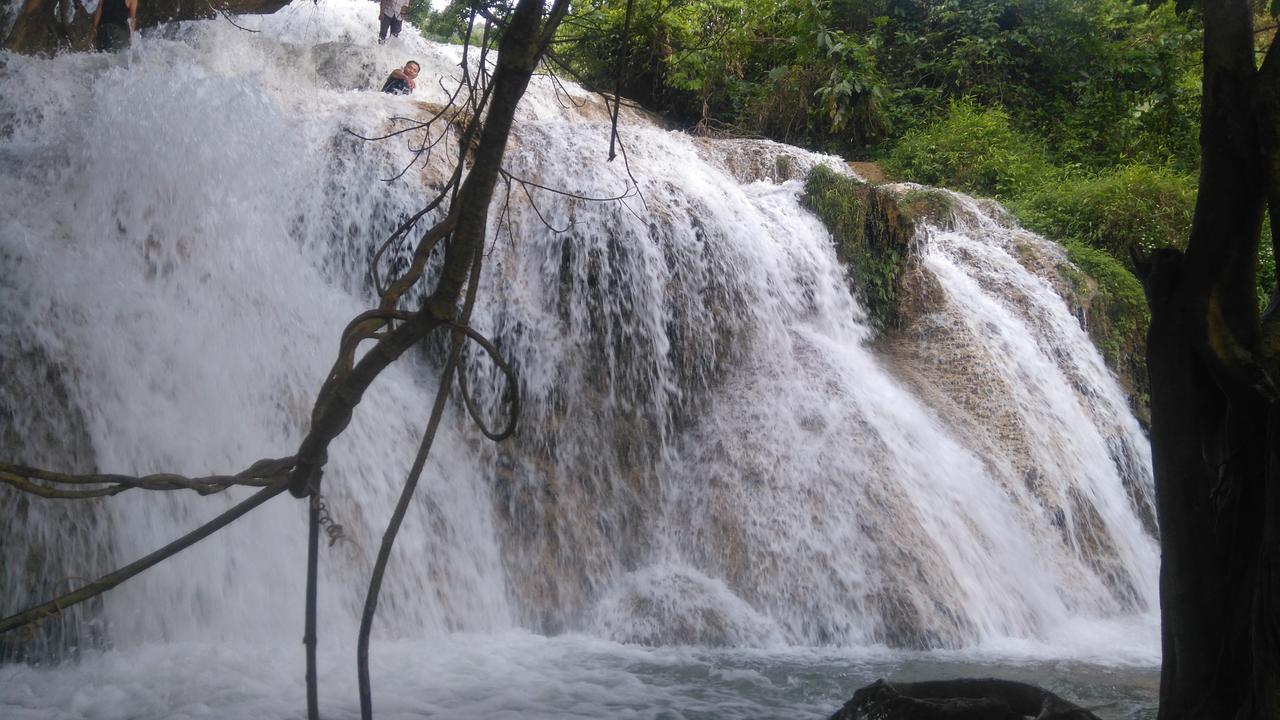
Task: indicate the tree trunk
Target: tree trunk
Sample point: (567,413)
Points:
(1213,432)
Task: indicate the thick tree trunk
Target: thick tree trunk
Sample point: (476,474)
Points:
(1212,407)
(46,26)
(1209,452)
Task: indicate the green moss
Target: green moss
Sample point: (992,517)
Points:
(872,237)
(783,167)
(928,203)
(1116,315)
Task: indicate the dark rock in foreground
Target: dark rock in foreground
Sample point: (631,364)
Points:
(963,699)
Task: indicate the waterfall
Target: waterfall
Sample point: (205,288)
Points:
(715,450)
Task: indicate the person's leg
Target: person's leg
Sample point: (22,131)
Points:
(384,22)
(111,38)
(395,26)
(123,37)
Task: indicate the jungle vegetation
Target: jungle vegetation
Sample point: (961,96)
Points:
(1082,116)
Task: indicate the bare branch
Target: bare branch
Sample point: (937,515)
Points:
(617,80)
(512,387)
(221,10)
(110,580)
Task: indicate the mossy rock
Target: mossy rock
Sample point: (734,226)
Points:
(50,545)
(1110,301)
(874,236)
(936,206)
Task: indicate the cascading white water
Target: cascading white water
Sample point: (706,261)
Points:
(713,452)
(195,261)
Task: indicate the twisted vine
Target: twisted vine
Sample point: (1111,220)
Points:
(36,481)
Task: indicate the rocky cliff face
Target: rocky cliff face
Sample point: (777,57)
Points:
(50,546)
(928,338)
(877,229)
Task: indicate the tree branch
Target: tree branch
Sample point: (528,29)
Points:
(263,473)
(110,580)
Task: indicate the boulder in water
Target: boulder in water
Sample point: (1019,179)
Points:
(962,699)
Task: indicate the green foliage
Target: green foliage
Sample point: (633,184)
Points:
(972,149)
(1266,279)
(1118,290)
(759,66)
(1101,82)
(840,202)
(1135,207)
(678,55)
(852,94)
(446,25)
(1132,100)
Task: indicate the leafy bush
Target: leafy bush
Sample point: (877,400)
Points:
(1133,207)
(973,149)
(1102,82)
(1115,82)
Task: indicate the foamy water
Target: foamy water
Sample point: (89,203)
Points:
(515,675)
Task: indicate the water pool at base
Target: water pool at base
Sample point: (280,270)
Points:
(518,675)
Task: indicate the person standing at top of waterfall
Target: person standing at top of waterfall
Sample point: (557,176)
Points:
(390,16)
(402,81)
(114,21)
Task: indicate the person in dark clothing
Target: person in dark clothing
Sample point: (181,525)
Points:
(391,17)
(113,23)
(402,81)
